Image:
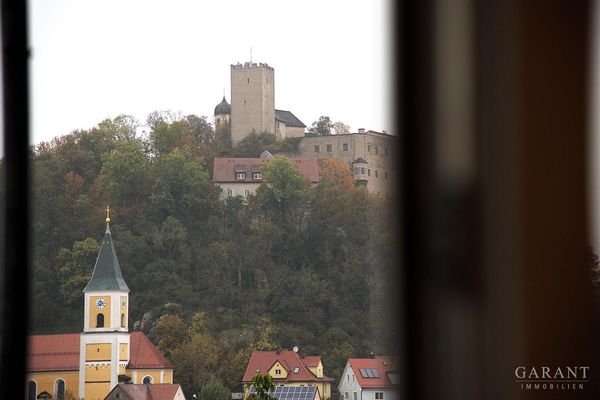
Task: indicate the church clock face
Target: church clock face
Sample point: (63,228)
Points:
(100,303)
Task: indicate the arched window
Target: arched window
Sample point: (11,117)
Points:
(59,389)
(100,321)
(31,390)
(147,380)
(122,320)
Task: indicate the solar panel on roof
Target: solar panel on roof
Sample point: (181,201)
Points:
(292,392)
(363,372)
(375,373)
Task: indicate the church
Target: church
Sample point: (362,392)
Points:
(88,365)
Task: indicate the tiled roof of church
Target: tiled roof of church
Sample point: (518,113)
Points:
(107,272)
(144,354)
(61,353)
(288,118)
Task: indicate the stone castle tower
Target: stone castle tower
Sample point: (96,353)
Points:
(252,100)
(105,340)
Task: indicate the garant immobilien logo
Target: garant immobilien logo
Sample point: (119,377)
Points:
(552,378)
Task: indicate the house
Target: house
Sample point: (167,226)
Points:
(242,176)
(374,378)
(288,369)
(91,363)
(125,391)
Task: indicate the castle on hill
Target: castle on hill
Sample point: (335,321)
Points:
(370,155)
(91,363)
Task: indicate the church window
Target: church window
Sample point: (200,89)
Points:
(59,389)
(31,390)
(122,320)
(147,380)
(100,321)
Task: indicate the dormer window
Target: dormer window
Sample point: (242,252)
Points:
(240,176)
(256,175)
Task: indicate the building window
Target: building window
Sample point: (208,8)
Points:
(348,377)
(345,147)
(376,174)
(368,171)
(362,170)
(100,320)
(317,148)
(346,395)
(229,192)
(352,377)
(378,395)
(122,320)
(356,170)
(246,193)
(277,372)
(59,389)
(354,396)
(147,380)
(240,176)
(376,150)
(31,390)
(369,148)
(329,148)
(256,175)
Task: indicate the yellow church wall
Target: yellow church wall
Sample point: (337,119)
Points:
(98,352)
(94,311)
(96,390)
(45,381)
(97,373)
(123,351)
(154,373)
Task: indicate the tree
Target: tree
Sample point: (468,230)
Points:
(253,144)
(340,128)
(214,391)
(322,126)
(262,385)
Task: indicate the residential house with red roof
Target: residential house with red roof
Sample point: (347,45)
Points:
(376,378)
(91,363)
(288,368)
(242,176)
(125,391)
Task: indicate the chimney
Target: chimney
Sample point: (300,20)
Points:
(361,130)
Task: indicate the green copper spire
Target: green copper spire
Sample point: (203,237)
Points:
(107,272)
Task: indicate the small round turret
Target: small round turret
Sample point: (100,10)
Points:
(223,108)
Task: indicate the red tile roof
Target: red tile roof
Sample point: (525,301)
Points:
(262,361)
(53,352)
(225,168)
(311,361)
(61,353)
(160,391)
(144,354)
(383,365)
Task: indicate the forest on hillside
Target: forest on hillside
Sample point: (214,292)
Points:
(211,281)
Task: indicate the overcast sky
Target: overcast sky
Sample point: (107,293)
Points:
(96,59)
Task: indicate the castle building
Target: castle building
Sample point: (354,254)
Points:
(91,363)
(370,155)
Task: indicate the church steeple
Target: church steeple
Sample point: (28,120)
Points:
(107,271)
